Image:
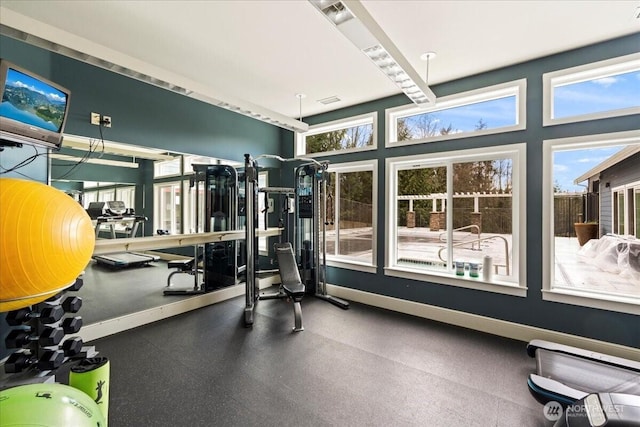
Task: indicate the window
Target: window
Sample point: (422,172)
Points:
(127,195)
(164,168)
(263,181)
(448,211)
(189,161)
(190,208)
(167,208)
(340,136)
(494,109)
(351,207)
(626,209)
(88,197)
(590,229)
(603,89)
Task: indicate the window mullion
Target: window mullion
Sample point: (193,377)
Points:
(449,215)
(336,214)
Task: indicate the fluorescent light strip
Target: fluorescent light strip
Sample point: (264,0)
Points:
(354,22)
(76,142)
(45,36)
(105,162)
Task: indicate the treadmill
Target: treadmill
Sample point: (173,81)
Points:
(110,213)
(566,374)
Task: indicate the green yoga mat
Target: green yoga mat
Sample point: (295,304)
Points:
(92,377)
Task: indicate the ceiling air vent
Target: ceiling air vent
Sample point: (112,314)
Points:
(329,100)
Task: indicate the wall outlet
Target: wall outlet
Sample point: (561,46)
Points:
(95,119)
(106,121)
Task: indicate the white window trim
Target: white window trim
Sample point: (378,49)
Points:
(624,190)
(595,70)
(263,241)
(516,87)
(172,175)
(345,262)
(156,185)
(349,122)
(582,298)
(519,256)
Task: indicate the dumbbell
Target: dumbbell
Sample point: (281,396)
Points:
(48,361)
(46,315)
(72,288)
(72,304)
(20,337)
(71,325)
(72,346)
(76,285)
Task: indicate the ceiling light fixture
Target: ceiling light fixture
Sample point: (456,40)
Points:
(427,56)
(300,97)
(354,21)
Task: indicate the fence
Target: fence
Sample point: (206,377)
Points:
(569,209)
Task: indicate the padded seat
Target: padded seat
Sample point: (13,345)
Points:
(290,278)
(181,264)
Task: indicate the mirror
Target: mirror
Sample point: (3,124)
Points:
(154,188)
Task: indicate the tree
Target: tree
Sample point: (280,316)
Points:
(328,141)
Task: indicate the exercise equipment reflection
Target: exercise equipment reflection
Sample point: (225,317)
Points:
(116,216)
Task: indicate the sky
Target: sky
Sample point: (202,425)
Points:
(590,96)
(604,94)
(16,78)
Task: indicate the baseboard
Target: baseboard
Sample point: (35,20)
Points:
(144,317)
(481,323)
(467,320)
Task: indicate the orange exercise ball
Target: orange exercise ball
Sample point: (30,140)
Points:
(46,241)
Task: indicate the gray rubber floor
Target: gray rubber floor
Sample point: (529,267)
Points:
(358,367)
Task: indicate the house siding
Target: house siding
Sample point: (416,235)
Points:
(625,172)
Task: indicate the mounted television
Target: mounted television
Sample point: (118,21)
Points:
(33,109)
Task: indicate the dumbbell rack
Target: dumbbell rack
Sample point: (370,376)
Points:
(42,335)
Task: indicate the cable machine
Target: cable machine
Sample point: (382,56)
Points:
(219,212)
(310,195)
(311,180)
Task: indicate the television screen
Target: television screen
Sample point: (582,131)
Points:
(33,110)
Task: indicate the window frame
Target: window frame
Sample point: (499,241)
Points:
(583,298)
(263,181)
(626,190)
(517,88)
(342,261)
(156,207)
(348,122)
(157,165)
(516,151)
(581,73)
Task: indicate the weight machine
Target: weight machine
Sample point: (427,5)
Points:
(220,212)
(310,195)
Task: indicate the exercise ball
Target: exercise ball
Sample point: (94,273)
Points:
(48,404)
(47,240)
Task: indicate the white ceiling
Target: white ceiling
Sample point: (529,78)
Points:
(267,51)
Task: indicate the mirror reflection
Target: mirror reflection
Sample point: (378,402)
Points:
(130,191)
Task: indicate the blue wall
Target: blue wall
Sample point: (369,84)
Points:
(141,114)
(593,323)
(148,116)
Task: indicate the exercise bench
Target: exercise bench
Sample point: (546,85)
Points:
(291,284)
(186,266)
